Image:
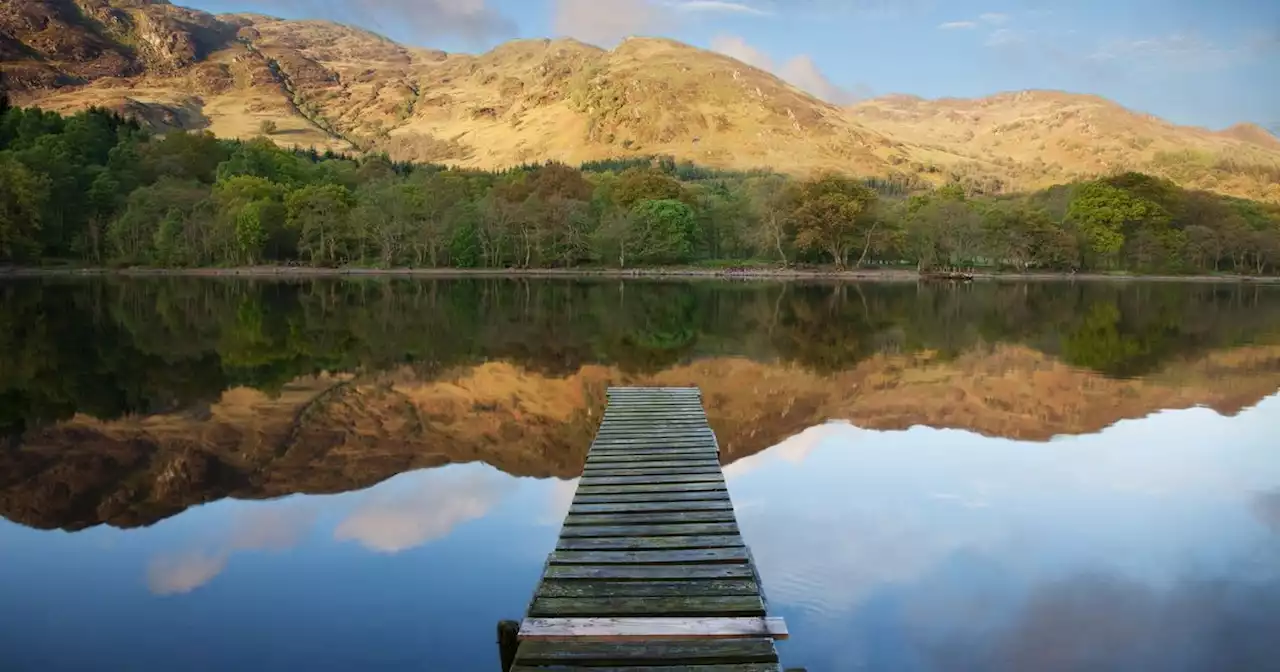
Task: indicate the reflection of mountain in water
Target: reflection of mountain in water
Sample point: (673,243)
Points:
(126,401)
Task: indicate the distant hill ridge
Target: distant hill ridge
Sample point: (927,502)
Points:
(335,87)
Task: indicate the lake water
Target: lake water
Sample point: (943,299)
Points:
(369,474)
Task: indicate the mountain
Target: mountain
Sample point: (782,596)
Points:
(332,86)
(329,434)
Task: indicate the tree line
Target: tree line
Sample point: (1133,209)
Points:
(95,188)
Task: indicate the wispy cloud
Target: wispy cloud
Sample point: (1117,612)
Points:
(802,71)
(958,25)
(175,575)
(1006,37)
(1187,52)
(994,18)
(423,20)
(717,6)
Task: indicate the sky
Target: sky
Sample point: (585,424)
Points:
(1190,61)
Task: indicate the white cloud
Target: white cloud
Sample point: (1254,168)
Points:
(717,6)
(1182,51)
(606,21)
(994,17)
(174,575)
(436,502)
(801,71)
(958,25)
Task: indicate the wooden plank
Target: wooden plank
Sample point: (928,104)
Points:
(695,587)
(645,458)
(649,652)
(707,459)
(651,507)
(732,540)
(656,450)
(647,530)
(650,518)
(694,439)
(648,572)
(683,557)
(612,629)
(622,480)
(647,487)
(653,427)
(698,496)
(715,605)
(643,470)
(731,667)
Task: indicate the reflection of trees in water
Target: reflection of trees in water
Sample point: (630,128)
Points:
(117,346)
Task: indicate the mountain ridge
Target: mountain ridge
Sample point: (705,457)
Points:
(331,86)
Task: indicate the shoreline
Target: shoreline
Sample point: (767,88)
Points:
(674,272)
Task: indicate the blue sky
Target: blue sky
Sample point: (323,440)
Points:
(1189,61)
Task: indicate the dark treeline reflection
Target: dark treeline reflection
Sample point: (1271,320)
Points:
(110,347)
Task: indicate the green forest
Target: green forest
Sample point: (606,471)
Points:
(96,189)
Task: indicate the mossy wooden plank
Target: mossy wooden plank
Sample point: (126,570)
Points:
(677,606)
(651,507)
(569,531)
(649,652)
(648,572)
(647,487)
(681,557)
(622,480)
(697,495)
(650,518)
(732,540)
(693,588)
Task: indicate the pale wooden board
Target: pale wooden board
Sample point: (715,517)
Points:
(650,518)
(591,531)
(632,628)
(682,605)
(649,572)
(684,557)
(731,540)
(649,652)
(689,587)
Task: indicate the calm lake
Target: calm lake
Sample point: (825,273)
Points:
(217,474)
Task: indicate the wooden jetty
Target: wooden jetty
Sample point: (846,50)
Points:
(650,571)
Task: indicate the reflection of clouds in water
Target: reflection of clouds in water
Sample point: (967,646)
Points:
(174,575)
(1266,506)
(561,499)
(953,529)
(436,502)
(269,527)
(1100,622)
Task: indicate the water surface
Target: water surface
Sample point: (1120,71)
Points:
(212,474)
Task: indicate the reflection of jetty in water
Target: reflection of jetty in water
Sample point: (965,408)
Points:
(128,401)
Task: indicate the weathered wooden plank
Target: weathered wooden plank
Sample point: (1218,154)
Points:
(731,667)
(652,427)
(703,460)
(647,487)
(733,540)
(648,572)
(697,495)
(645,417)
(683,557)
(713,605)
(681,439)
(646,458)
(649,652)
(647,530)
(656,451)
(556,588)
(620,480)
(623,628)
(713,468)
(651,507)
(650,518)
